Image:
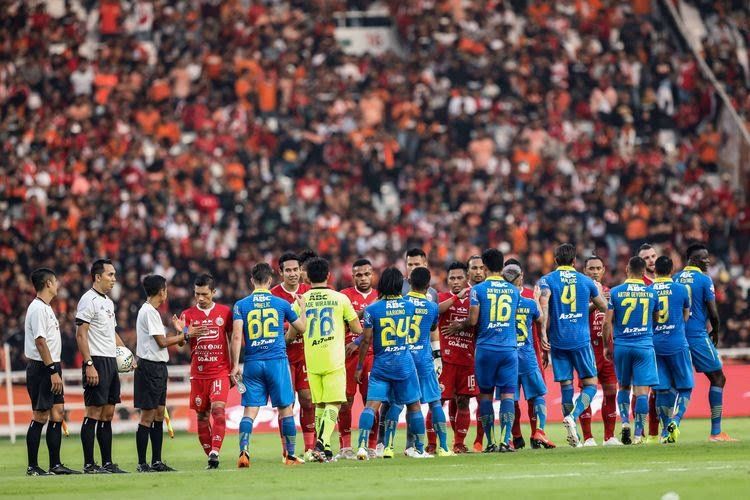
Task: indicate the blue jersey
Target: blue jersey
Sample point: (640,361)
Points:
(702,292)
(570,294)
(497,300)
(424,321)
(669,331)
(526,314)
(390,320)
(263,316)
(633,305)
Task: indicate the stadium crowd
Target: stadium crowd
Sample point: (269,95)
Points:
(179,137)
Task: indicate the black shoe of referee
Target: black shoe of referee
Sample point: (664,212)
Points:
(113,468)
(161,467)
(61,470)
(143,468)
(36,471)
(94,469)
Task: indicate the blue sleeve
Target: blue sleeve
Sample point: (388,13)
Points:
(709,291)
(535,311)
(473,297)
(236,313)
(543,283)
(367,319)
(289,314)
(685,298)
(435,314)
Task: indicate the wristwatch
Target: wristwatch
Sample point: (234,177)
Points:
(89,363)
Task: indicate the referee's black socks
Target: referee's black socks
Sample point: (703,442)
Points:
(141,442)
(33,437)
(157,437)
(88,433)
(54,437)
(104,437)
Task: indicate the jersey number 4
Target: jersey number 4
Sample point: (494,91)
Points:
(390,330)
(569,297)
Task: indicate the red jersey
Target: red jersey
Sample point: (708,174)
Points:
(295,351)
(529,294)
(209,355)
(359,302)
(648,281)
(596,325)
(457,349)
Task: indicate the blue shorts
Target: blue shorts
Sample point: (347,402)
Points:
(636,366)
(267,379)
(532,384)
(675,371)
(429,385)
(564,361)
(704,354)
(400,392)
(496,369)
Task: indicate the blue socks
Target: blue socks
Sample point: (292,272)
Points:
(415,423)
(507,415)
(715,400)
(540,408)
(366,421)
(246,429)
(664,405)
(487,418)
(641,413)
(289,433)
(567,399)
(439,424)
(683,400)
(391,424)
(623,405)
(584,400)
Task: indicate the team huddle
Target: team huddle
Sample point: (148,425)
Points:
(400,344)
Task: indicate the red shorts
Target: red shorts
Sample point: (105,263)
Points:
(203,392)
(605,370)
(299,376)
(351,384)
(458,380)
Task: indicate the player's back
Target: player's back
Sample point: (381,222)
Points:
(497,300)
(570,293)
(422,323)
(390,320)
(526,313)
(209,354)
(701,293)
(263,317)
(669,331)
(633,305)
(327,313)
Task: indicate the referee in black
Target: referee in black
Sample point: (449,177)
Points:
(42,347)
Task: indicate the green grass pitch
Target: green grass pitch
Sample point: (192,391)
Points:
(693,468)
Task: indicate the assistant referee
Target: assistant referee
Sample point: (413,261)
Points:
(42,346)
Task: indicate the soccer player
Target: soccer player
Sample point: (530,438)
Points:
(360,295)
(415,257)
(209,365)
(630,319)
(673,362)
(593,267)
(477,274)
(702,349)
(648,253)
(150,384)
(97,341)
(259,320)
(290,268)
(328,314)
(393,377)
(492,310)
(304,256)
(564,301)
(42,347)
(529,374)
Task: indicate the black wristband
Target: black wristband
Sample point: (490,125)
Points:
(436,354)
(51,368)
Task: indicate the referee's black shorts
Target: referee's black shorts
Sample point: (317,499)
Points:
(39,385)
(150,385)
(107,392)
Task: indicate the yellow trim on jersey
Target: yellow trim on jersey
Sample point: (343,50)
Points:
(261,290)
(693,268)
(565,268)
(417,295)
(663,280)
(636,281)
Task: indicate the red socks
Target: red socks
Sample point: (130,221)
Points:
(516,429)
(307,421)
(345,426)
(609,415)
(532,416)
(480,431)
(219,428)
(463,421)
(431,434)
(204,435)
(585,419)
(653,418)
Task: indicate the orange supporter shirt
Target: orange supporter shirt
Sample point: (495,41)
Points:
(147,120)
(104,84)
(267,91)
(160,90)
(527,163)
(169,131)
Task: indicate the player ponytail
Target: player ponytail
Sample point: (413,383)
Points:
(391,283)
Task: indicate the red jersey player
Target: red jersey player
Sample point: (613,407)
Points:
(209,366)
(648,253)
(361,295)
(594,269)
(288,289)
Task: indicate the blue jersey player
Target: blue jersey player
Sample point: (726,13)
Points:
(393,377)
(702,348)
(630,318)
(259,320)
(492,310)
(672,351)
(564,300)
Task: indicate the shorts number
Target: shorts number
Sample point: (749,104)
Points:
(500,308)
(663,309)
(471,382)
(262,323)
(390,330)
(522,329)
(216,386)
(321,322)
(414,329)
(631,303)
(569,296)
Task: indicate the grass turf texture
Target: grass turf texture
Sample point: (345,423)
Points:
(693,468)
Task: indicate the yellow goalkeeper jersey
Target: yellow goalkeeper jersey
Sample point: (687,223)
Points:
(328,311)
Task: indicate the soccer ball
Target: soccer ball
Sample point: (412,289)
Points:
(124,359)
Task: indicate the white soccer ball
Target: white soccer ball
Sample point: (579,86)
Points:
(124,359)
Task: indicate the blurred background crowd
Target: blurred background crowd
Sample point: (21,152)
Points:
(178,137)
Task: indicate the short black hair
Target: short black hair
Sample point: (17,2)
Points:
(693,249)
(419,279)
(205,279)
(317,270)
(512,261)
(416,252)
(306,255)
(637,265)
(287,256)
(565,254)
(492,258)
(475,256)
(261,273)
(153,284)
(98,267)
(39,277)
(645,246)
(361,262)
(592,257)
(663,265)
(458,265)
(391,282)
